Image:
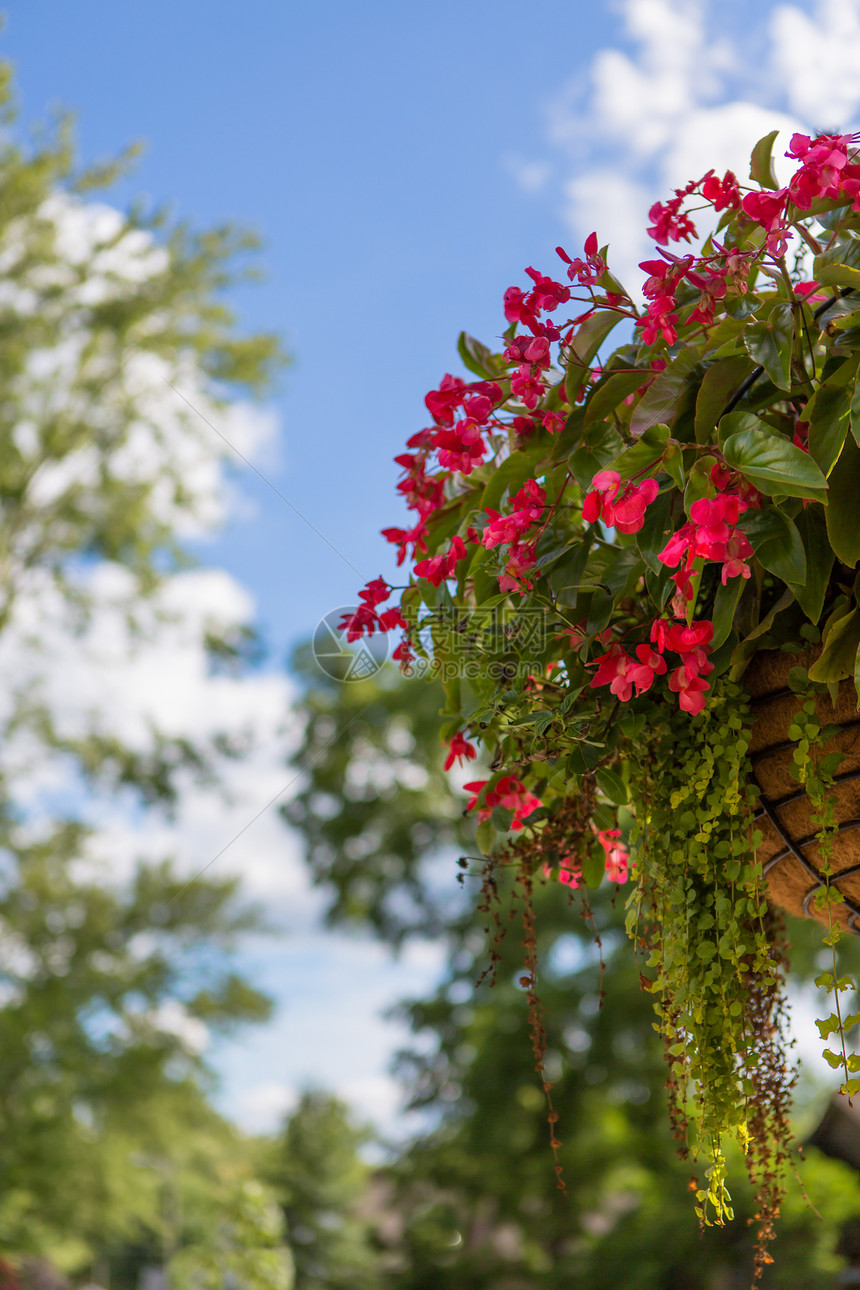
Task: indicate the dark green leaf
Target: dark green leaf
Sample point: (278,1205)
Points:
(594,866)
(586,343)
(838,657)
(761,162)
(644,455)
(812,527)
(599,445)
(477,357)
(655,531)
(660,401)
(776,542)
(610,393)
(719,383)
(828,414)
(843,506)
(770,342)
(725,604)
(611,786)
(774,465)
(511,474)
(673,464)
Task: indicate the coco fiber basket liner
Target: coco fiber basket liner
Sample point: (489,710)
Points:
(789,849)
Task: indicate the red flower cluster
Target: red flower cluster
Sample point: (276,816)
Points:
(527,507)
(620,508)
(709,535)
(622,672)
(442,567)
(508,792)
(827,170)
(365,620)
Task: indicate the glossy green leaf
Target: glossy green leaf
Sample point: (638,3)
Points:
(600,444)
(610,393)
(828,414)
(673,464)
(611,785)
(770,342)
(761,162)
(660,401)
(839,653)
(812,528)
(643,456)
(725,604)
(655,531)
(586,343)
(776,542)
(774,465)
(477,357)
(843,507)
(838,275)
(719,383)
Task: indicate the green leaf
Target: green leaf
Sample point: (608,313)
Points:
(838,657)
(832,1059)
(660,401)
(610,393)
(599,445)
(838,275)
(770,342)
(644,455)
(828,414)
(673,464)
(812,527)
(477,357)
(699,481)
(586,343)
(486,837)
(761,162)
(774,465)
(725,604)
(854,415)
(843,506)
(655,531)
(594,867)
(611,786)
(776,542)
(719,383)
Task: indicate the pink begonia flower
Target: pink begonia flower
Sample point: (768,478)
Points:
(621,508)
(509,792)
(442,566)
(617,855)
(650,664)
(458,748)
(613,670)
(738,551)
(521,561)
(461,448)
(690,690)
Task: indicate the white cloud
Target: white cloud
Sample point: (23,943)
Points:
(687,89)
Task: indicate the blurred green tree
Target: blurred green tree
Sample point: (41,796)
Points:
(328,1197)
(110,972)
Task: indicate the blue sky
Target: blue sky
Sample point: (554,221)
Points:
(369,144)
(404,163)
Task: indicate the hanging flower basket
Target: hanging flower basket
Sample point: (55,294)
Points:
(789,849)
(633,569)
